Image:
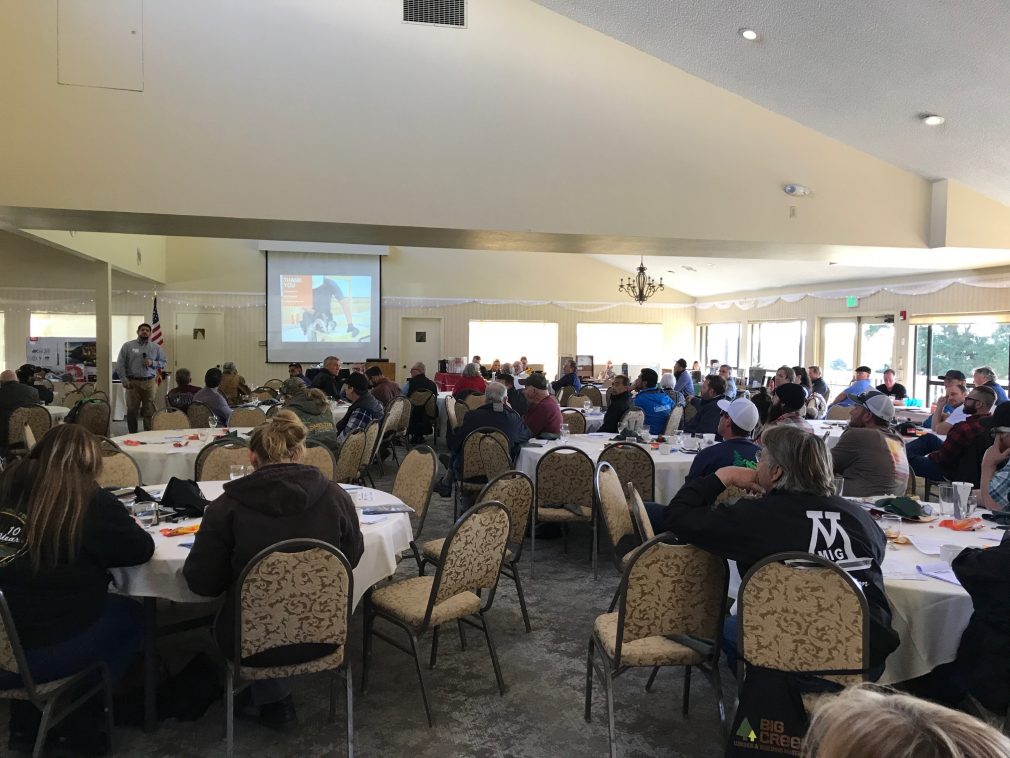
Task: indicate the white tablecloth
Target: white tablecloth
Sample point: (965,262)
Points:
(671,468)
(837,427)
(159,460)
(58,412)
(162,575)
(594,418)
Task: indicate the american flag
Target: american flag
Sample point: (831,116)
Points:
(156,336)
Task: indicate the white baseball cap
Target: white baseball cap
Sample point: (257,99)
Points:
(742,412)
(877,403)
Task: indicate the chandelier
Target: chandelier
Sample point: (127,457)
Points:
(640,287)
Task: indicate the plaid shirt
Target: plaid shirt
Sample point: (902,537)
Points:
(360,415)
(960,436)
(999,486)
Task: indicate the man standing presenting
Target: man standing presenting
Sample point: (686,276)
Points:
(138,364)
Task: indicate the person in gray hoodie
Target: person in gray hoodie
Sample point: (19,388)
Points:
(282,499)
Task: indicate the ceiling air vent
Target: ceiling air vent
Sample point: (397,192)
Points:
(436,12)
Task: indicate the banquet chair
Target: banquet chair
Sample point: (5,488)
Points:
(635,416)
(494,456)
(264,393)
(387,430)
(450,413)
(399,434)
(564,495)
(838,413)
(370,452)
(673,422)
(640,517)
(474,476)
(87,389)
(800,612)
(246,417)
(71,397)
(475,401)
(214,461)
(564,393)
(170,418)
(462,590)
(670,607)
(47,384)
(58,698)
(576,400)
(594,394)
(690,411)
(34,418)
(633,464)
(274,384)
(95,416)
(119,469)
(294,593)
(426,401)
(349,458)
(514,490)
(575,420)
(199,415)
(321,457)
(413,486)
(616,514)
(273,410)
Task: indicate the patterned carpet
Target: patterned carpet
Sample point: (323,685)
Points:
(541,713)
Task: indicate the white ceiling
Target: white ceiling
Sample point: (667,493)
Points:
(858,72)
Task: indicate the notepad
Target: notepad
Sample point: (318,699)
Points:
(939,570)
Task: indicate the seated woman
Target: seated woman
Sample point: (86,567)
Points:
(281,500)
(56,580)
(470,383)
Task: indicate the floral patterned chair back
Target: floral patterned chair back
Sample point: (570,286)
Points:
(633,464)
(473,552)
(321,457)
(514,490)
(613,505)
(349,460)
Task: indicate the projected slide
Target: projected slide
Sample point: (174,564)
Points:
(326,308)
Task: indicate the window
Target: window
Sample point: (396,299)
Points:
(720,342)
(509,340)
(965,344)
(634,344)
(777,343)
(83,325)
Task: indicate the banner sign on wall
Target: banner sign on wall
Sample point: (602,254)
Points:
(64,355)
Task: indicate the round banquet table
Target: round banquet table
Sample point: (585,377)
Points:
(159,459)
(671,468)
(58,413)
(594,418)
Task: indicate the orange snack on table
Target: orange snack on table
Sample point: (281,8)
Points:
(178,531)
(961,525)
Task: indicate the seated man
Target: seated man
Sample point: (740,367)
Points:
(995,486)
(233,385)
(737,421)
(947,411)
(570,378)
(383,389)
(212,398)
(984,376)
(788,408)
(181,395)
(706,420)
(784,375)
(870,456)
(33,376)
(655,403)
(420,424)
(726,372)
(893,389)
(328,380)
(295,372)
(684,384)
(495,413)
(618,403)
(797,511)
(859,385)
(817,383)
(485,373)
(13,395)
(516,398)
(543,414)
(365,408)
(943,459)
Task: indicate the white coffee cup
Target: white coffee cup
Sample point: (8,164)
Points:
(664,449)
(709,438)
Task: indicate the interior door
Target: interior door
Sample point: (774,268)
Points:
(420,340)
(199,343)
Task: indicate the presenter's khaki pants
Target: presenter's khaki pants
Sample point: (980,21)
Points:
(139,397)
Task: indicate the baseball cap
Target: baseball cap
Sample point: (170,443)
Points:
(294,365)
(952,375)
(291,387)
(539,381)
(742,412)
(1001,418)
(877,403)
(791,396)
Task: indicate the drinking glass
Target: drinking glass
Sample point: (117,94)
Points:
(212,421)
(587,404)
(621,426)
(890,524)
(972,505)
(947,495)
(236,471)
(839,484)
(565,431)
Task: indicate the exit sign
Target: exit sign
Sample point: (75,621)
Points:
(851,301)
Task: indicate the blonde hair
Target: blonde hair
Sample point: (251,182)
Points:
(53,486)
(872,720)
(281,439)
(313,394)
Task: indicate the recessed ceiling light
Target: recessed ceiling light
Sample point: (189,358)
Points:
(749,34)
(931,119)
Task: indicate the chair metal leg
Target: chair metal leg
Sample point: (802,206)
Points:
(608,686)
(720,704)
(40,739)
(494,654)
(462,634)
(349,687)
(533,547)
(109,720)
(652,678)
(366,646)
(522,597)
(434,647)
(596,551)
(420,677)
(687,691)
(589,680)
(229,715)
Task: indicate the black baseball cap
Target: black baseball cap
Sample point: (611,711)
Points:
(537,381)
(791,396)
(294,365)
(952,375)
